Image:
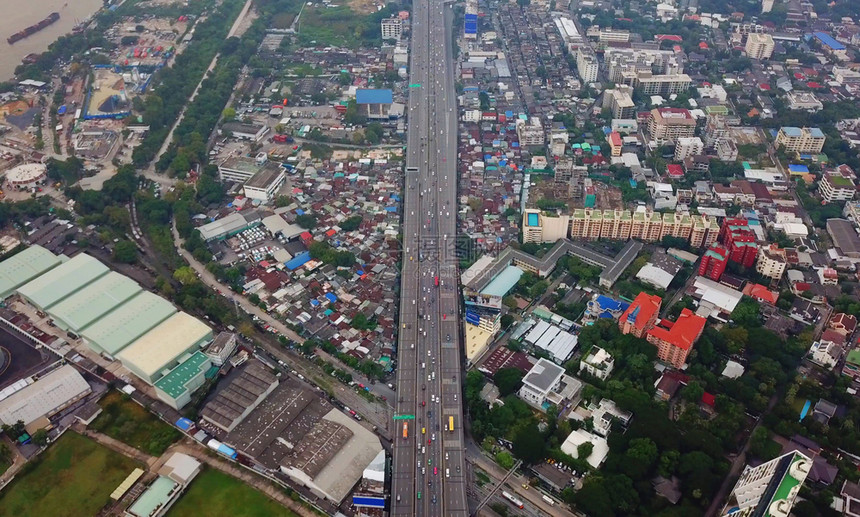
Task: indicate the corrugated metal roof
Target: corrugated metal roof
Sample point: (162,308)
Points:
(374,96)
(503,282)
(25,266)
(128,322)
(164,344)
(93,301)
(62,281)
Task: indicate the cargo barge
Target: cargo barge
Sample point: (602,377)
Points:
(32,29)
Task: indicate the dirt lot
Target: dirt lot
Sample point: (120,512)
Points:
(14,108)
(365,6)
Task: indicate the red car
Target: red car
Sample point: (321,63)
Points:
(429,441)
(423,403)
(435,471)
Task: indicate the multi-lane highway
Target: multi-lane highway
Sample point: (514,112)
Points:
(428,466)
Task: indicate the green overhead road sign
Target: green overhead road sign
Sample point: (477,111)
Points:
(404,417)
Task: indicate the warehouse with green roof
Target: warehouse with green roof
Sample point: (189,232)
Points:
(62,281)
(122,326)
(25,266)
(93,301)
(176,387)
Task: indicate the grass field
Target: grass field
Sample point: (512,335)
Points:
(74,477)
(130,423)
(215,494)
(339,26)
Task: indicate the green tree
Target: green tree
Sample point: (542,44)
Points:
(508,380)
(529,444)
(40,437)
(505,460)
(125,251)
(644,450)
(185,275)
(584,450)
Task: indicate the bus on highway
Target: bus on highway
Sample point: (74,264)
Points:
(516,502)
(405,430)
(451,423)
(549,500)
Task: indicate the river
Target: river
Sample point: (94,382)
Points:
(19,14)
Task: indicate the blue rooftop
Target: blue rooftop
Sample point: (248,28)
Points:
(798,168)
(791,130)
(374,97)
(299,260)
(827,39)
(331,297)
(503,282)
(817,133)
(608,306)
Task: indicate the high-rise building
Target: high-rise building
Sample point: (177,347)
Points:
(620,102)
(664,84)
(770,488)
(530,133)
(705,231)
(688,146)
(807,140)
(736,236)
(641,315)
(670,124)
(714,262)
(759,45)
(771,262)
(674,341)
(392,28)
(586,65)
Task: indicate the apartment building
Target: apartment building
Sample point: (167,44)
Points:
(586,64)
(688,146)
(714,262)
(646,226)
(615,143)
(771,262)
(541,227)
(619,101)
(392,28)
(630,61)
(705,231)
(726,149)
(598,363)
(759,46)
(606,34)
(670,124)
(807,140)
(736,236)
(836,187)
(617,224)
(674,341)
(530,133)
(770,488)
(641,315)
(664,84)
